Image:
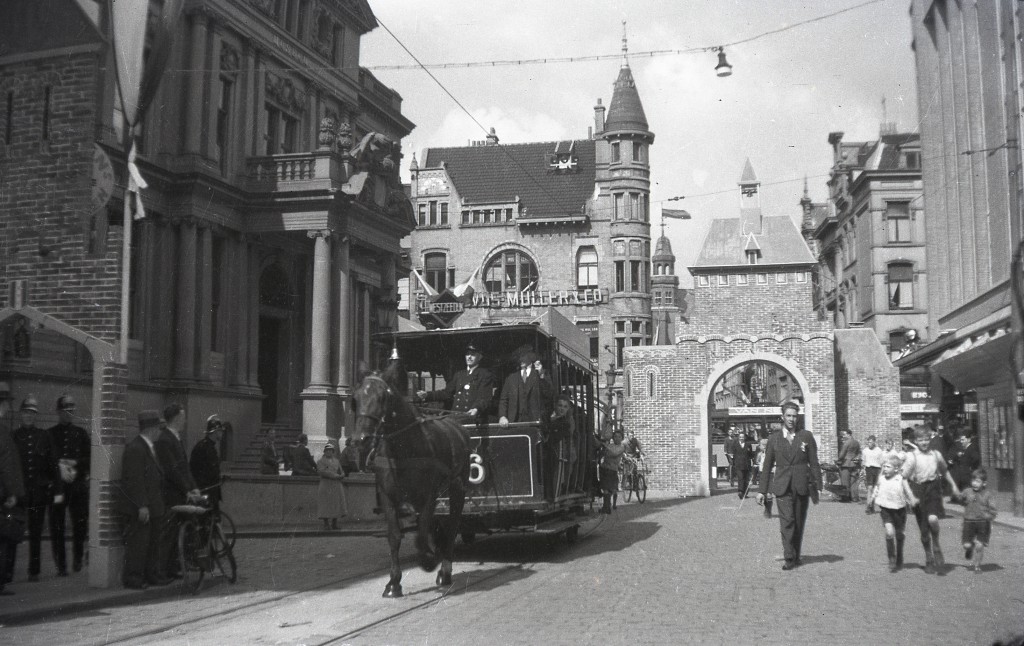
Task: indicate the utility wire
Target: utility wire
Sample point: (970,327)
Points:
(605,57)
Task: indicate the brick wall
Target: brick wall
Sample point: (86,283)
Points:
(46,198)
(867,387)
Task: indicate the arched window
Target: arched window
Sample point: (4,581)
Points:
(901,285)
(586,268)
(650,384)
(510,270)
(435,270)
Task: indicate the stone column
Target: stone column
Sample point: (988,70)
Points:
(343,332)
(364,342)
(253,301)
(241,301)
(197,61)
(185,329)
(204,299)
(321,408)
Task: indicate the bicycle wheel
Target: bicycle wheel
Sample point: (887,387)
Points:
(228,529)
(641,488)
(223,555)
(190,549)
(626,485)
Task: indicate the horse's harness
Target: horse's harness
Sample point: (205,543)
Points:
(380,422)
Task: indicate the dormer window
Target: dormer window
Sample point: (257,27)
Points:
(752,256)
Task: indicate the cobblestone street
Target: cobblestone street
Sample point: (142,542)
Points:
(669,571)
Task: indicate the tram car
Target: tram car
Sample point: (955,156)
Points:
(509,490)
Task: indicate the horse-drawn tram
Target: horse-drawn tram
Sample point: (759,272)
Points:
(530,470)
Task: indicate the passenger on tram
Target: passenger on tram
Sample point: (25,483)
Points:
(470,391)
(526,395)
(556,439)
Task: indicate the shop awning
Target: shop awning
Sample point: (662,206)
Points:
(978,360)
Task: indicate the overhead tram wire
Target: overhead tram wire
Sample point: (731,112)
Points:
(604,57)
(504,150)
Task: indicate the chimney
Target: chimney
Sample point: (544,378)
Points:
(492,138)
(598,118)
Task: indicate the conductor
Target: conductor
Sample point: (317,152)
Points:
(794,455)
(470,391)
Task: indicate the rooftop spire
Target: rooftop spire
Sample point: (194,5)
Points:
(625,46)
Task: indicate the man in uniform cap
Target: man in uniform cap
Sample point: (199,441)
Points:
(73,454)
(204,462)
(470,391)
(142,504)
(41,475)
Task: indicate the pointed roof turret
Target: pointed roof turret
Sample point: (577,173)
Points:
(626,112)
(663,250)
(749,178)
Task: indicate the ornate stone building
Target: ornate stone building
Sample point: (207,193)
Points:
(270,248)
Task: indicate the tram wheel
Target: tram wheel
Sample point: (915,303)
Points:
(572,534)
(641,488)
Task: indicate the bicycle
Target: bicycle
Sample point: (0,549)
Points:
(202,545)
(634,478)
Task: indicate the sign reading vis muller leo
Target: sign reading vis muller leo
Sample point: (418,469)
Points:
(540,298)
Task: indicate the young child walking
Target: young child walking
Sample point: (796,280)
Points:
(892,496)
(924,469)
(979,512)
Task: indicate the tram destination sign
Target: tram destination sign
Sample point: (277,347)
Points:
(539,298)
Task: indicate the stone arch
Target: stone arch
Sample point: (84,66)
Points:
(704,395)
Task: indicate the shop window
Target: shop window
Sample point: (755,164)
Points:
(511,270)
(586,268)
(901,286)
(435,270)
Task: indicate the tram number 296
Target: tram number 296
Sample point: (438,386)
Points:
(477,473)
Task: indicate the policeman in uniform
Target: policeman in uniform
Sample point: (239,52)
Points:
(73,453)
(470,391)
(41,474)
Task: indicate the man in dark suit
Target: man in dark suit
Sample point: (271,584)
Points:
(742,458)
(470,391)
(74,451)
(177,484)
(797,479)
(142,504)
(527,394)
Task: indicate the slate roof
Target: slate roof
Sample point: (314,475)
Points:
(891,146)
(38,25)
(499,173)
(625,112)
(663,249)
(780,243)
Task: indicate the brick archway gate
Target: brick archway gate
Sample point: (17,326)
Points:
(672,418)
(107,431)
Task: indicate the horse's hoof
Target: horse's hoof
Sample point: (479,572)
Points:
(392,591)
(428,562)
(444,579)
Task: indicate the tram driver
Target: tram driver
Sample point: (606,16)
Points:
(470,391)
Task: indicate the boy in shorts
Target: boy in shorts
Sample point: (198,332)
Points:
(871,458)
(979,512)
(925,469)
(892,495)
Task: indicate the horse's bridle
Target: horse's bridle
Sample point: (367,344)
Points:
(379,422)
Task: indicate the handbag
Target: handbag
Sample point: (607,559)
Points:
(12,524)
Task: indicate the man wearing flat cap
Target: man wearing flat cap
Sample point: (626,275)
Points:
(527,393)
(41,476)
(73,454)
(470,391)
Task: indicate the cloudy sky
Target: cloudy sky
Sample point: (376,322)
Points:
(788,90)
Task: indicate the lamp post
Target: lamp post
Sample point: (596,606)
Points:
(609,380)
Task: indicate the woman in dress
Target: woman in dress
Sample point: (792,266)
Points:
(330,496)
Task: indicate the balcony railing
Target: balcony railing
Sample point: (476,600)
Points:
(294,171)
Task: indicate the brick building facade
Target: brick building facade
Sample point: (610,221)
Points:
(754,307)
(270,250)
(561,223)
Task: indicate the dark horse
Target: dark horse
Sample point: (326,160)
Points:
(416,460)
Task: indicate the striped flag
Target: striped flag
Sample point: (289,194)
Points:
(675,214)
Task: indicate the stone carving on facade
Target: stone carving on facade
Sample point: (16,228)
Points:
(344,139)
(372,149)
(283,91)
(327,134)
(229,58)
(322,39)
(265,6)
